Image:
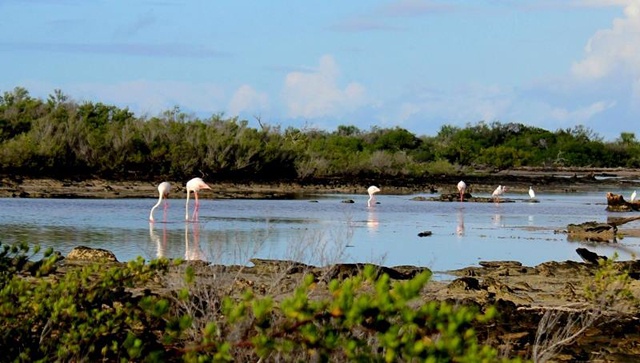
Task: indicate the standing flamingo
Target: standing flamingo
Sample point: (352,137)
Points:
(372,199)
(498,192)
(194,185)
(532,194)
(163,189)
(462,187)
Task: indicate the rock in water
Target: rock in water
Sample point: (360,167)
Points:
(588,256)
(616,203)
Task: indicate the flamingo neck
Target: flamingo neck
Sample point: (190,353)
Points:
(154,207)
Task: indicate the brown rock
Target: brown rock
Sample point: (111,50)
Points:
(591,231)
(83,253)
(616,203)
(465,283)
(588,256)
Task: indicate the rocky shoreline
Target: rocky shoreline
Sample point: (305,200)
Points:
(551,180)
(525,296)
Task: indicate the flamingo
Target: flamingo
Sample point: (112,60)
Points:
(498,192)
(532,194)
(372,199)
(462,187)
(163,189)
(633,196)
(194,185)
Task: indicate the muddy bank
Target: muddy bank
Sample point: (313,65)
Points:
(482,181)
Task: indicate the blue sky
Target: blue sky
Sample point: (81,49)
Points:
(416,64)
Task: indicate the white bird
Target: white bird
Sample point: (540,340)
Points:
(532,194)
(194,185)
(498,192)
(462,187)
(372,199)
(633,196)
(163,189)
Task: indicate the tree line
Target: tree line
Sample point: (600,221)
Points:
(59,137)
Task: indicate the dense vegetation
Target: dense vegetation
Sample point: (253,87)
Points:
(165,311)
(90,314)
(58,137)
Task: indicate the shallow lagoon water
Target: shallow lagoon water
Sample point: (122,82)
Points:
(318,229)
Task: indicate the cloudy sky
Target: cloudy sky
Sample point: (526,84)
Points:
(416,64)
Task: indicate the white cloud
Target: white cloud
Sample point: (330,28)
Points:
(458,106)
(152,97)
(246,99)
(317,93)
(582,114)
(613,50)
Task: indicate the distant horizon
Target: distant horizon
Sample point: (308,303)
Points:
(414,64)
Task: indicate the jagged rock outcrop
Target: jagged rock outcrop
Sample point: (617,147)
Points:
(82,253)
(616,203)
(592,231)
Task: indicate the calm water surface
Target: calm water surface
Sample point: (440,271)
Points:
(318,230)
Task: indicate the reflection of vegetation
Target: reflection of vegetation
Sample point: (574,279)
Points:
(59,137)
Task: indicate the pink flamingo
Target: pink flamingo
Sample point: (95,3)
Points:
(194,185)
(462,187)
(372,199)
(498,192)
(163,189)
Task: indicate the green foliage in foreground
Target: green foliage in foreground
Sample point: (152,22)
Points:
(90,314)
(85,314)
(367,318)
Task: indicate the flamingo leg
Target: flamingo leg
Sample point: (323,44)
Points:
(165,209)
(187,207)
(196,207)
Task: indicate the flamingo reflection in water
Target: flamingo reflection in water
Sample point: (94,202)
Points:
(460,225)
(161,244)
(192,251)
(497,220)
(372,220)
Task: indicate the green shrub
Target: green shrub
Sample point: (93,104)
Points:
(86,314)
(365,318)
